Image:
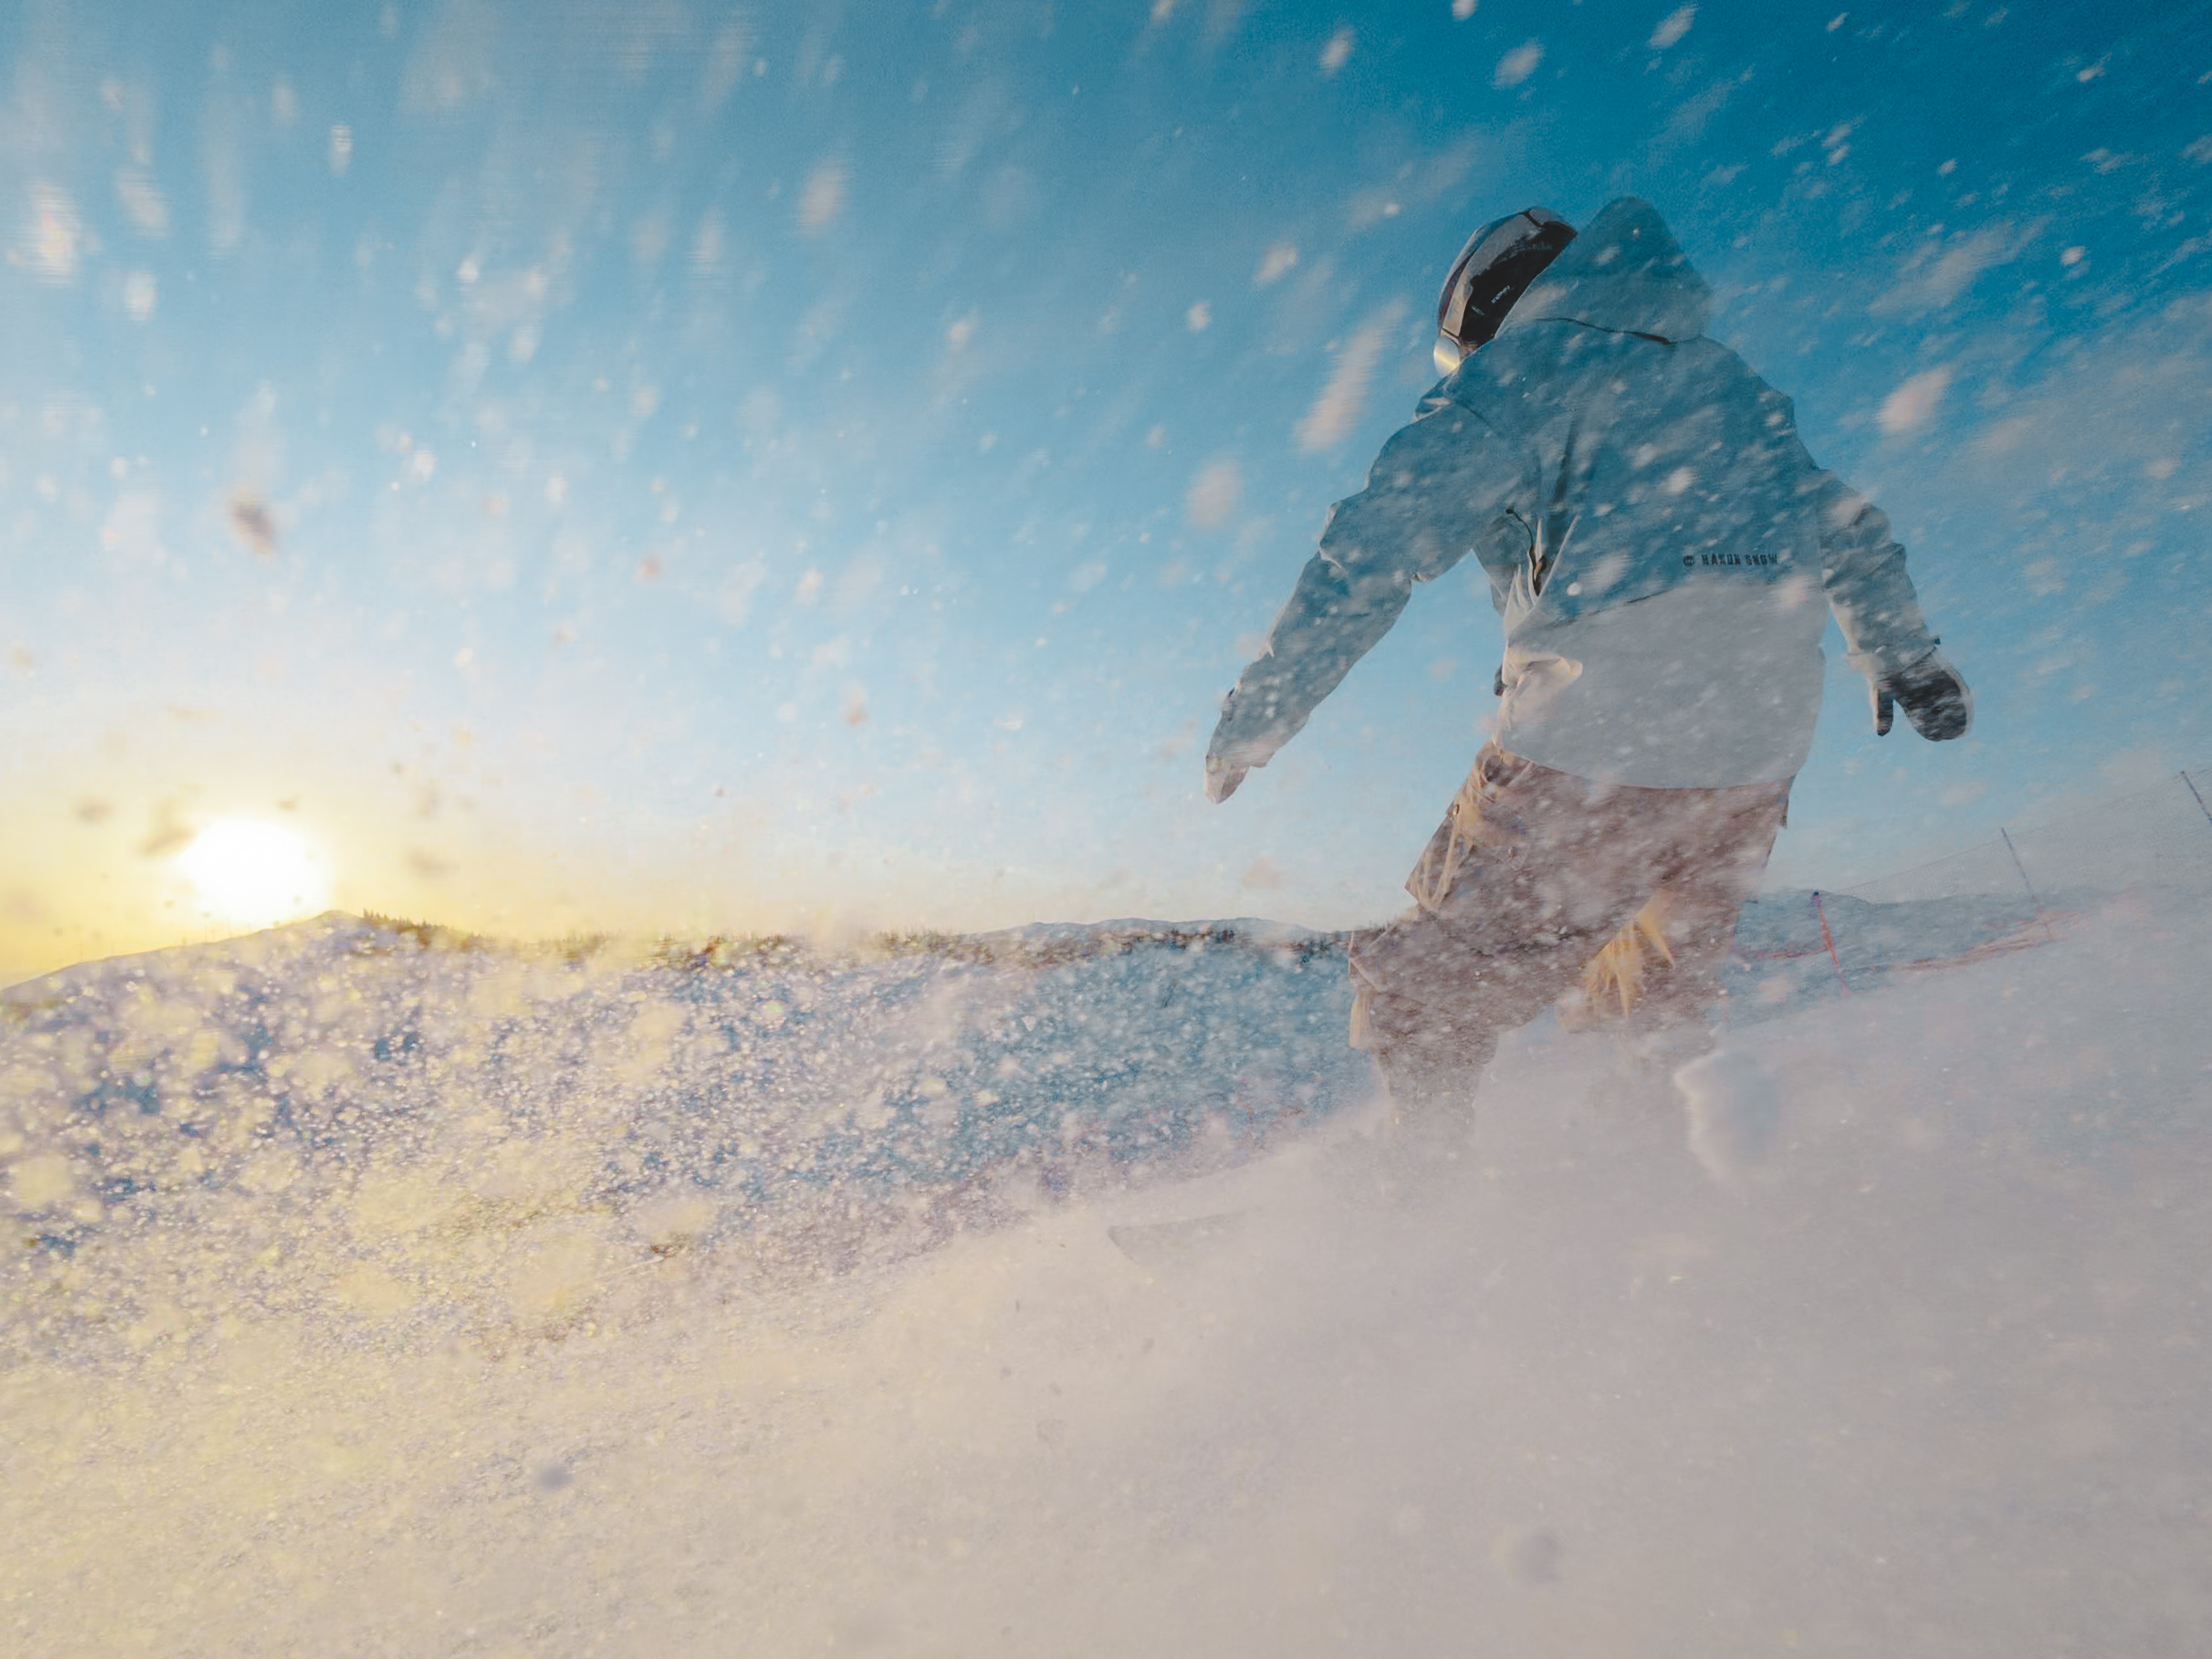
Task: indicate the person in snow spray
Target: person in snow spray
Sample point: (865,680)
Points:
(1665,555)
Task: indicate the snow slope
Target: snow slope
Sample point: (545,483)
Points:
(193,1127)
(1893,1342)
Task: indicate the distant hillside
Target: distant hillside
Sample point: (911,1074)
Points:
(1780,933)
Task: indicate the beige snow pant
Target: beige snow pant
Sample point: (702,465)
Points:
(1530,873)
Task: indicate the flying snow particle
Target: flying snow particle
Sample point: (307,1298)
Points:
(139,293)
(1338,407)
(57,238)
(143,201)
(1733,1109)
(1672,27)
(733,599)
(1274,264)
(253,524)
(37,1183)
(1338,52)
(1199,317)
(1462,10)
(1518,64)
(1928,286)
(1912,405)
(1214,493)
(823,198)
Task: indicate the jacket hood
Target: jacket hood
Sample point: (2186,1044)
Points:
(1625,273)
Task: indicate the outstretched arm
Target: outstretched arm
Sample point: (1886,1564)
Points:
(1432,493)
(1863,570)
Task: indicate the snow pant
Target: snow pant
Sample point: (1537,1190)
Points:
(1530,873)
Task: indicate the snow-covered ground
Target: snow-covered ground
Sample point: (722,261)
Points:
(1052,1300)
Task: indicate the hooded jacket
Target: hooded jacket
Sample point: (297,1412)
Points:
(1662,550)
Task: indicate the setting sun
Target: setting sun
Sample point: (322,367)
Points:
(254,874)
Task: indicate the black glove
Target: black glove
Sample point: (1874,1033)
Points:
(1936,700)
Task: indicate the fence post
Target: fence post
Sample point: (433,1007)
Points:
(2192,784)
(2041,921)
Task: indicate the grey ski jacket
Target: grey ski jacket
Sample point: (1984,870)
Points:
(1663,551)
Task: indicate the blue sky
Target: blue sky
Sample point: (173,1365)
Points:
(797,465)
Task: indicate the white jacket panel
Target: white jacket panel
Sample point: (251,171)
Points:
(1699,682)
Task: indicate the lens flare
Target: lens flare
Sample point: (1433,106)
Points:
(254,874)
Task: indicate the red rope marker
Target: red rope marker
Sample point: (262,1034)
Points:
(1829,939)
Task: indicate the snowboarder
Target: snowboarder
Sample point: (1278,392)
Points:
(1664,554)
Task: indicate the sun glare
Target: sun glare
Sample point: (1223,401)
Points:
(254,874)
